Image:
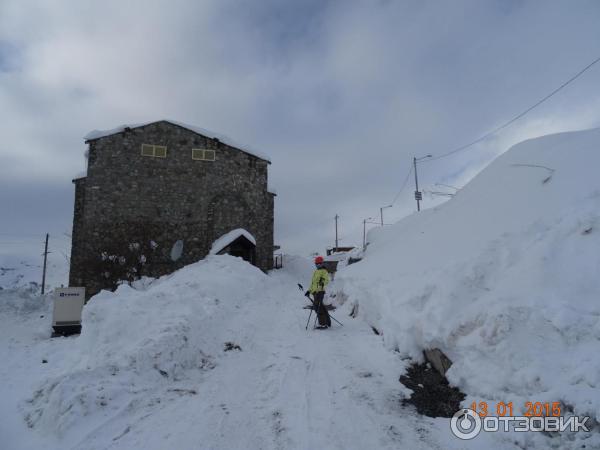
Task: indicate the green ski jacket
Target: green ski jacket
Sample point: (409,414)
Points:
(320,279)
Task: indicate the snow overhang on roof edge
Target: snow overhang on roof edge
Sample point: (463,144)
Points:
(98,134)
(228,238)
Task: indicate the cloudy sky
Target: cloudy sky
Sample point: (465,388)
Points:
(340,94)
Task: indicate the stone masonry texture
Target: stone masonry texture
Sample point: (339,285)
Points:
(130,209)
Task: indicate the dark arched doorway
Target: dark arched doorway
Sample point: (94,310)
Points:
(241,247)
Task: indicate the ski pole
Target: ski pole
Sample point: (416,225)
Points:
(301,288)
(330,315)
(308,321)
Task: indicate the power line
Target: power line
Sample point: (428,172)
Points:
(518,116)
(403,185)
(501,127)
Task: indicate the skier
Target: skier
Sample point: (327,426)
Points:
(320,279)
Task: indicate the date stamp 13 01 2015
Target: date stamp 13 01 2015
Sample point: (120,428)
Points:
(467,423)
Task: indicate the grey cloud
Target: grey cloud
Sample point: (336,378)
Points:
(341,94)
(9,57)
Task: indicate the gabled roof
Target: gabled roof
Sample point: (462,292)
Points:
(229,238)
(98,134)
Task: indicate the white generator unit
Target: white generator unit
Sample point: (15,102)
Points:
(68,305)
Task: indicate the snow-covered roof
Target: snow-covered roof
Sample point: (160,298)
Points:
(80,174)
(340,256)
(228,238)
(97,134)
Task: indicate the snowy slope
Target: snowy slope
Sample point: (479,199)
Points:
(504,278)
(137,341)
(151,371)
(21,262)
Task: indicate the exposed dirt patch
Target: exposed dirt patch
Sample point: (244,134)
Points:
(432,395)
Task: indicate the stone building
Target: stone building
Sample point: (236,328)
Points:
(157,196)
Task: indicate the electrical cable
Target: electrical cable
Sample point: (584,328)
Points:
(518,116)
(403,185)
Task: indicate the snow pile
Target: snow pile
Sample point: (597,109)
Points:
(337,257)
(23,301)
(345,258)
(135,343)
(228,238)
(504,278)
(299,267)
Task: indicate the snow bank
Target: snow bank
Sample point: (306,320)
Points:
(136,342)
(97,134)
(23,301)
(340,256)
(296,269)
(504,278)
(228,238)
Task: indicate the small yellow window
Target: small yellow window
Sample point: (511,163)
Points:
(156,151)
(147,150)
(200,154)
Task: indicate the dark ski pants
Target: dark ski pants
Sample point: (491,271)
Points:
(322,313)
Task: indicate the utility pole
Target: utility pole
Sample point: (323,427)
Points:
(336,232)
(381,212)
(418,194)
(45,259)
(365,232)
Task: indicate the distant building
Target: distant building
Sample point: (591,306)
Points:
(332,250)
(157,196)
(334,256)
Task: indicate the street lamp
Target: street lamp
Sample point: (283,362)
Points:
(381,212)
(365,232)
(418,194)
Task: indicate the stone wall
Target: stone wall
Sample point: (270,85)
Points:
(134,208)
(77,244)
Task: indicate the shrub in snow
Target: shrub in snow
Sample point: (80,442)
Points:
(123,260)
